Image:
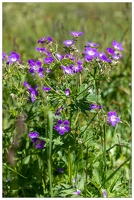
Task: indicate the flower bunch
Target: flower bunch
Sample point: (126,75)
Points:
(67,110)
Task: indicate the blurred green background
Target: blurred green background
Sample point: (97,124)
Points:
(25,23)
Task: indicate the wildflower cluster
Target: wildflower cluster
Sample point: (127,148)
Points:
(77,65)
(68,85)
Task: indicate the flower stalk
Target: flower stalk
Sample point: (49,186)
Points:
(50,133)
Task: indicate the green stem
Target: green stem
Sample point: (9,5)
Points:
(89,123)
(57,93)
(123,145)
(50,131)
(69,167)
(23,192)
(49,86)
(14,170)
(86,170)
(104,154)
(83,90)
(76,118)
(80,79)
(115,171)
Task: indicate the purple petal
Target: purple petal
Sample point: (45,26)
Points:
(66,122)
(117,46)
(59,56)
(92,44)
(76,34)
(33,134)
(46,88)
(59,121)
(110,50)
(60,169)
(45,40)
(67,92)
(68,42)
(3,55)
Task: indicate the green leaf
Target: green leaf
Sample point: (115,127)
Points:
(116,170)
(96,176)
(26,160)
(5,165)
(93,98)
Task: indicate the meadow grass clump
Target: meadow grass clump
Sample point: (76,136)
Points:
(58,141)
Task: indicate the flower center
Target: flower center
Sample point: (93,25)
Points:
(37,141)
(113,118)
(62,127)
(91,53)
(35,67)
(13,59)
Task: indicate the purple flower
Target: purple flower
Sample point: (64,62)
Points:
(68,69)
(33,135)
(77,192)
(3,56)
(62,126)
(90,53)
(48,53)
(104,193)
(94,106)
(13,57)
(112,118)
(35,66)
(91,44)
(70,56)
(71,69)
(60,169)
(39,144)
(102,56)
(77,68)
(33,92)
(28,86)
(116,56)
(68,43)
(48,60)
(58,110)
(59,56)
(76,34)
(45,40)
(117,46)
(110,50)
(44,50)
(46,88)
(67,92)
(41,49)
